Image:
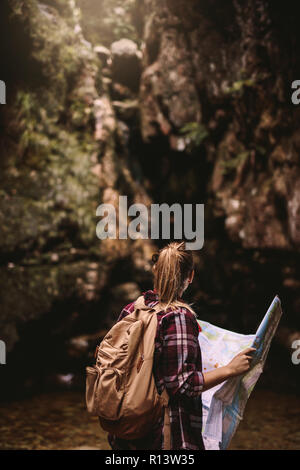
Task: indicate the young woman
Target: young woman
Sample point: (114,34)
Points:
(177,356)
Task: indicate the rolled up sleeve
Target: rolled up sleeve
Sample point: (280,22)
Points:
(181,355)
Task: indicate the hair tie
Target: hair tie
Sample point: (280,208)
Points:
(155,258)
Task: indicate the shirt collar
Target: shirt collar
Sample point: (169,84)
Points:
(150,296)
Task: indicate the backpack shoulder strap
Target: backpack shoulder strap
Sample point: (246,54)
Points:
(139,304)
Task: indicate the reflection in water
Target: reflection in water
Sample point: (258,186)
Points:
(60,421)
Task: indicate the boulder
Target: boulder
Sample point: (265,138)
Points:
(103,53)
(126,63)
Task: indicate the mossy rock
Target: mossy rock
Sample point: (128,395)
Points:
(49,192)
(30,292)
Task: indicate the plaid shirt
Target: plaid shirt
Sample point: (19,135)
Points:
(177,366)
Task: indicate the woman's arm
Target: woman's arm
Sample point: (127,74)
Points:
(239,365)
(180,359)
(182,374)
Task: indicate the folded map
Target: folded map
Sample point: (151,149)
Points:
(223,405)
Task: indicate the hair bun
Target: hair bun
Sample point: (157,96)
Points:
(176,246)
(181,246)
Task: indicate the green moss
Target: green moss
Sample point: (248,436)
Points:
(194,133)
(55,282)
(228,166)
(48,188)
(239,86)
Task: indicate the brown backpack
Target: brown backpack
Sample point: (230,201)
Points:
(120,388)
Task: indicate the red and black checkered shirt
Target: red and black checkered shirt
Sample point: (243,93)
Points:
(178,367)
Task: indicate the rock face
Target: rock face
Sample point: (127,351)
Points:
(59,161)
(196,69)
(192,106)
(48,188)
(216,85)
(126,63)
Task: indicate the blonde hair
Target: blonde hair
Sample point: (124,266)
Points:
(172,267)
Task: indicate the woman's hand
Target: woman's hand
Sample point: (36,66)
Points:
(240,363)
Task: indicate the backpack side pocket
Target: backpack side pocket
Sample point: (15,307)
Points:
(92,384)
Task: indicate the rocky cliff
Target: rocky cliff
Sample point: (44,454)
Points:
(229,68)
(171,101)
(216,93)
(62,154)
(216,89)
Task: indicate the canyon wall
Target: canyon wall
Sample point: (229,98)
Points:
(168,101)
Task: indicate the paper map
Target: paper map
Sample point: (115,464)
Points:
(223,405)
